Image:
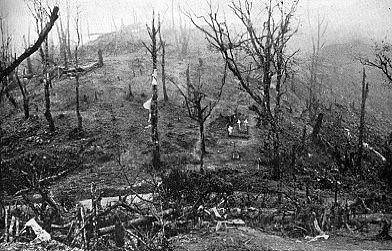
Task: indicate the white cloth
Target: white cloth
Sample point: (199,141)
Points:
(147,104)
(41,234)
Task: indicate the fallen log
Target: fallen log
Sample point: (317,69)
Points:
(81,69)
(143,220)
(376,218)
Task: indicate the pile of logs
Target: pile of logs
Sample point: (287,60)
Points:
(126,220)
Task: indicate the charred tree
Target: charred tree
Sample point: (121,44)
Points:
(41,38)
(317,127)
(163,45)
(100,58)
(47,84)
(78,115)
(23,90)
(41,16)
(199,105)
(153,49)
(382,59)
(361,129)
(266,51)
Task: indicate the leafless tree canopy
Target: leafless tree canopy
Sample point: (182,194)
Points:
(258,53)
(382,59)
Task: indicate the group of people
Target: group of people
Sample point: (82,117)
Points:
(241,127)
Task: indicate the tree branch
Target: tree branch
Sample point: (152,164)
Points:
(44,33)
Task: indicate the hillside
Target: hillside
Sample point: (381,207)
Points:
(112,154)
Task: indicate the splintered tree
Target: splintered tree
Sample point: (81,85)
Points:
(256,55)
(77,73)
(365,91)
(7,69)
(198,103)
(41,16)
(153,49)
(5,60)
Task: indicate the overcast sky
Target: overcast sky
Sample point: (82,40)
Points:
(369,19)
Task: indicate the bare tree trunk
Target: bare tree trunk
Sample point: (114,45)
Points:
(202,143)
(64,43)
(100,58)
(317,127)
(365,91)
(153,49)
(115,36)
(276,168)
(28,59)
(25,97)
(165,97)
(47,113)
(201,131)
(188,86)
(78,115)
(68,33)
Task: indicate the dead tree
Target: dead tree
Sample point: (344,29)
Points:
(198,104)
(318,43)
(5,60)
(255,56)
(78,115)
(47,82)
(25,95)
(68,32)
(153,49)
(317,127)
(181,38)
(163,46)
(62,42)
(100,58)
(382,60)
(365,91)
(41,15)
(28,60)
(41,37)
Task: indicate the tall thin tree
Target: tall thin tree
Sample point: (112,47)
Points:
(365,91)
(153,49)
(163,62)
(41,16)
(78,115)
